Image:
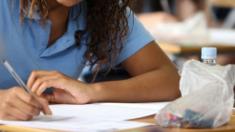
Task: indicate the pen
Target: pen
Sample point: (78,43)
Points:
(21,83)
(13,73)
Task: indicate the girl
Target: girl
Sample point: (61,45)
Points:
(50,41)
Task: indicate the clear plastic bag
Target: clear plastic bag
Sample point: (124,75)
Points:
(207,97)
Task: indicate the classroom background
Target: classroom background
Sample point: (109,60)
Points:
(182,27)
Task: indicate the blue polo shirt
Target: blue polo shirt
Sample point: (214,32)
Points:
(24,45)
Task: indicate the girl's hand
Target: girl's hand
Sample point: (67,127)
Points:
(17,104)
(66,89)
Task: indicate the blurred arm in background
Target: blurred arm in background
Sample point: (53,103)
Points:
(175,11)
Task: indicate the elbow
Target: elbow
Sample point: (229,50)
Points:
(174,87)
(175,94)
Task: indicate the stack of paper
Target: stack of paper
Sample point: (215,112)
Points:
(92,117)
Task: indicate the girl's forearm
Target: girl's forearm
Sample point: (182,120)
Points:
(157,85)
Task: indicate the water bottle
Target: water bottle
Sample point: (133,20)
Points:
(209,55)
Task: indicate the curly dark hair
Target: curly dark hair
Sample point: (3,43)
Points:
(107,25)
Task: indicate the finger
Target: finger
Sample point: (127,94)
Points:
(16,114)
(34,75)
(10,110)
(45,106)
(50,98)
(40,80)
(9,117)
(57,83)
(61,97)
(28,98)
(47,84)
(26,108)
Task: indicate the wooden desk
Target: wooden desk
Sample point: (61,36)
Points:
(180,49)
(230,127)
(223,3)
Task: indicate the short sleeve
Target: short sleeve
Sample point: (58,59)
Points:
(138,37)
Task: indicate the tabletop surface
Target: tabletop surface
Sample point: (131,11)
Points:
(223,3)
(230,127)
(173,48)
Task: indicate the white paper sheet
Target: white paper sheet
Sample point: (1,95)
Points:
(92,117)
(107,111)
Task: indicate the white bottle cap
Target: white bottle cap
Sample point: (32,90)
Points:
(208,53)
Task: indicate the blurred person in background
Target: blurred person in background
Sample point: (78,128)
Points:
(168,10)
(153,12)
